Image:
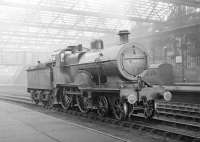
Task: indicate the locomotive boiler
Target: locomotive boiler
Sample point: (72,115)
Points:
(105,80)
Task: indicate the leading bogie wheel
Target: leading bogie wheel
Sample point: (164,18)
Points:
(120,109)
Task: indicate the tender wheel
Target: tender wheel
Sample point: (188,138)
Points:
(66,101)
(36,101)
(44,103)
(44,100)
(103,106)
(120,110)
(34,98)
(149,109)
(50,101)
(82,103)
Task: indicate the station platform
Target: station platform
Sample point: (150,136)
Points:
(19,124)
(183,88)
(185,92)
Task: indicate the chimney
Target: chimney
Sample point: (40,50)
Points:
(123,35)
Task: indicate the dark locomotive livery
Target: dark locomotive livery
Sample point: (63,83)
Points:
(105,80)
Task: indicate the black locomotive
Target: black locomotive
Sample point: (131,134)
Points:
(105,80)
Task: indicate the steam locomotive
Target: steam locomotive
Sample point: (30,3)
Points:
(104,80)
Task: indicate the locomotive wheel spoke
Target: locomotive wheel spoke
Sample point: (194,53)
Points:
(66,101)
(103,106)
(82,104)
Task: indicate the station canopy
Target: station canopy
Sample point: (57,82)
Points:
(53,24)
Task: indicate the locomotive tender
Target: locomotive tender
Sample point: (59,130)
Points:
(105,80)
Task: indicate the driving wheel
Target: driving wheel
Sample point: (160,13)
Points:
(103,106)
(82,103)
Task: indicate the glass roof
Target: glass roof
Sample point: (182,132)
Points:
(58,23)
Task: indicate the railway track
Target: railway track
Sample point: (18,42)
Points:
(163,126)
(180,105)
(179,111)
